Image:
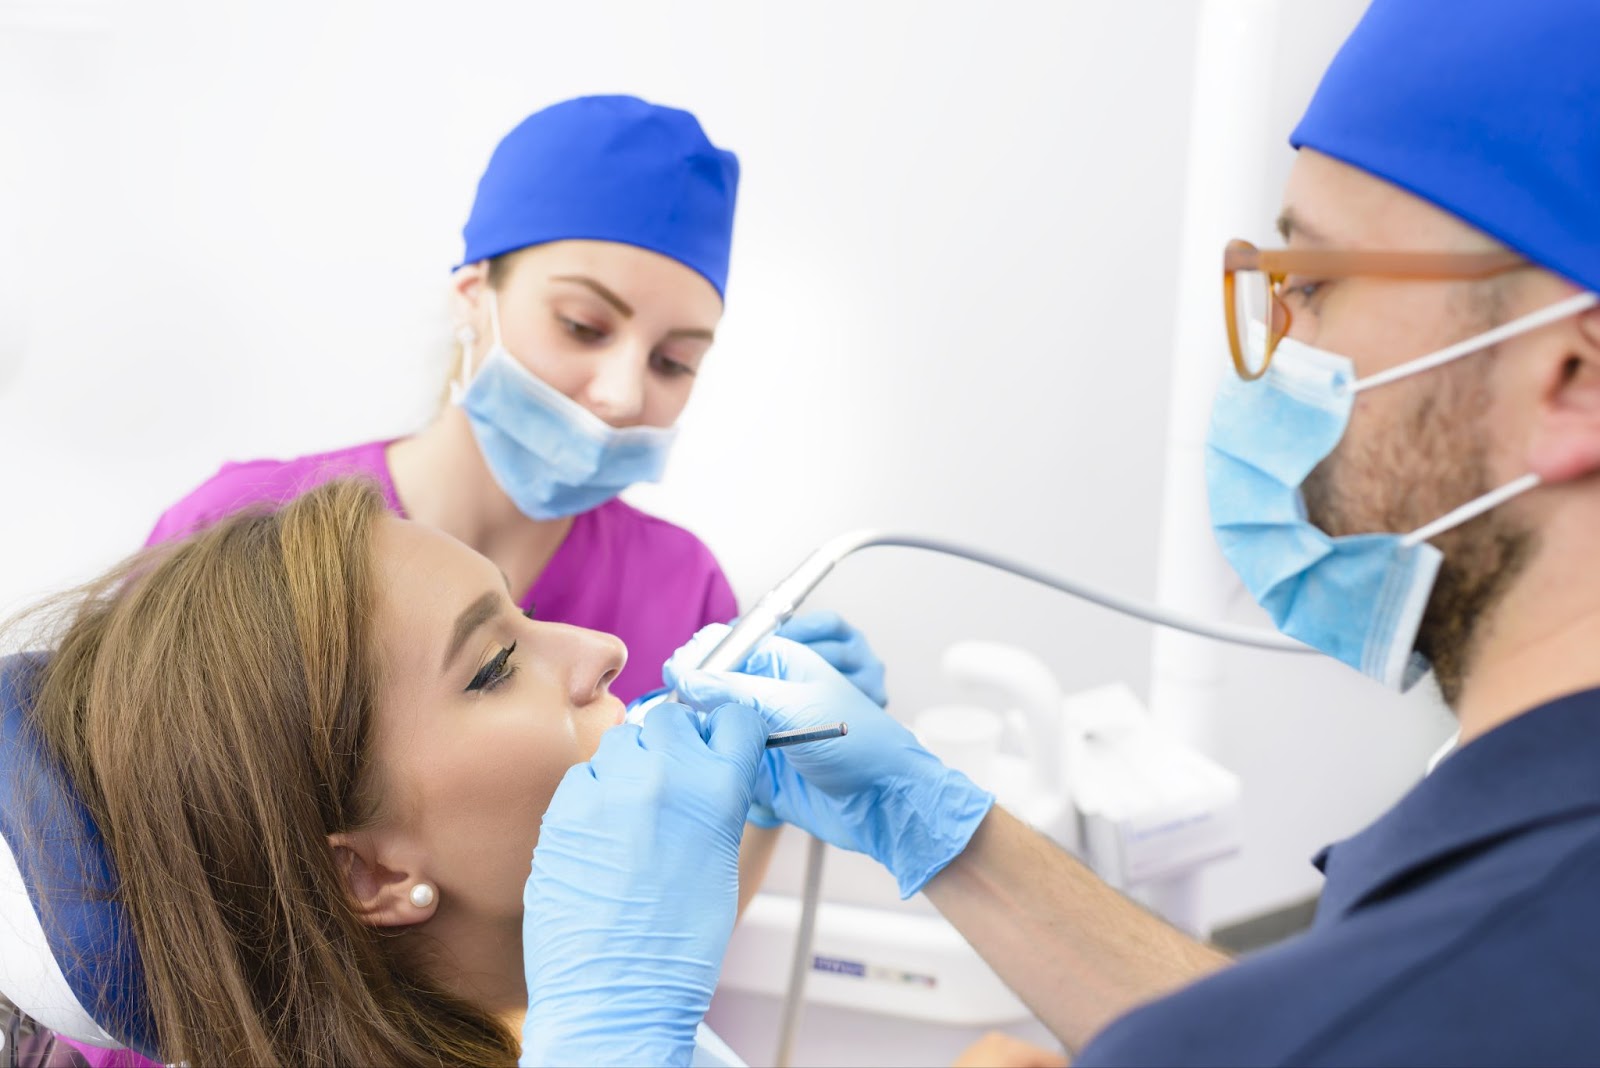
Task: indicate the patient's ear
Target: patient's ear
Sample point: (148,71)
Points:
(380,891)
(1565,444)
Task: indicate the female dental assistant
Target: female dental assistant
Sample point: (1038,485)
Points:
(588,295)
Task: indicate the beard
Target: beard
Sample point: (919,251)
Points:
(1425,464)
(1479,567)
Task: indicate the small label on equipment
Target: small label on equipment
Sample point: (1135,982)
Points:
(839,967)
(877,972)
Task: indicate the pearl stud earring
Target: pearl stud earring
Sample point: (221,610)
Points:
(422,895)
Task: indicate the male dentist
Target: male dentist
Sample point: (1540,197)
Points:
(1405,471)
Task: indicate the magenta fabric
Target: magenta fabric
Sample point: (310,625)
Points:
(97,1057)
(651,583)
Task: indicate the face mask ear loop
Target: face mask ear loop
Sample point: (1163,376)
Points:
(1561,309)
(467,336)
(1471,510)
(494,316)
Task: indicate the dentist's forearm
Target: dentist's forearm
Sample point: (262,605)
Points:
(1077,952)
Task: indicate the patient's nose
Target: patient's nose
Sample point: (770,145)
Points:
(594,661)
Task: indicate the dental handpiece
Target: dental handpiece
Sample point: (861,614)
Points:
(776,740)
(772,611)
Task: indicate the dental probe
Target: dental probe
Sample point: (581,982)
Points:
(807,734)
(778,739)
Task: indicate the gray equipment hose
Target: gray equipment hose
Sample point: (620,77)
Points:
(800,967)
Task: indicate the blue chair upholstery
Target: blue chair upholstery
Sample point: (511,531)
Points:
(67,954)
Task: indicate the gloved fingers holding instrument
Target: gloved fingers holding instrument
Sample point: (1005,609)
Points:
(875,791)
(630,903)
(845,648)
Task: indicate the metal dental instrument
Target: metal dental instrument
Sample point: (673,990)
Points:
(776,740)
(807,734)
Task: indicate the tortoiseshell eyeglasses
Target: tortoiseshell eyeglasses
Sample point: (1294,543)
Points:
(1254,282)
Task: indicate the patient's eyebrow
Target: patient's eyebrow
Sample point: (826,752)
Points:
(474,616)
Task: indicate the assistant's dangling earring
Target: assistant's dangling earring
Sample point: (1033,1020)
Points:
(422,895)
(466,337)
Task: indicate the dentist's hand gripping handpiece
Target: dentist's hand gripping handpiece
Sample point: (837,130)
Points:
(628,910)
(875,791)
(844,647)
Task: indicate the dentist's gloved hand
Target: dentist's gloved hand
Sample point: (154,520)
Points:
(844,647)
(875,791)
(628,910)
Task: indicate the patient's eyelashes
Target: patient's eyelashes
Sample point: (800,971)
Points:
(495,671)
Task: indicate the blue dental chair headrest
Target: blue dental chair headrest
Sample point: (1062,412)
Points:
(67,954)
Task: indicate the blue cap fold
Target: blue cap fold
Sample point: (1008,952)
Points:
(1489,109)
(609,168)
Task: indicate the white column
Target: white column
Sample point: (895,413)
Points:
(1230,134)
(1226,196)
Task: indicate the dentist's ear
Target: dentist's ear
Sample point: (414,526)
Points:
(383,895)
(1565,444)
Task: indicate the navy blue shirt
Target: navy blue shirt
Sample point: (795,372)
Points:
(1462,928)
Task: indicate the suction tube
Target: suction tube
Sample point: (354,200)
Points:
(783,600)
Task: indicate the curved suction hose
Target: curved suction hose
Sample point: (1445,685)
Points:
(780,603)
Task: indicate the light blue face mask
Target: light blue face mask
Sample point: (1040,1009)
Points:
(1360,598)
(548,453)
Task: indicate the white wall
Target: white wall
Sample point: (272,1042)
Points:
(225,231)
(949,303)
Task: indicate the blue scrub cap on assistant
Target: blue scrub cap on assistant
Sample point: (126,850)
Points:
(609,168)
(1489,109)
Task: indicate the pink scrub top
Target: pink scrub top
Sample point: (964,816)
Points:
(650,583)
(95,1057)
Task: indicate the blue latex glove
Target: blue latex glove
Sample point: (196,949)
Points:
(635,880)
(875,791)
(842,646)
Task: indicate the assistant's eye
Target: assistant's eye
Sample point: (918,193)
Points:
(494,672)
(581,331)
(668,366)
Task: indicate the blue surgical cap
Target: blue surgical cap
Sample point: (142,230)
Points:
(1489,109)
(609,168)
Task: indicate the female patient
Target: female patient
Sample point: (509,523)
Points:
(355,732)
